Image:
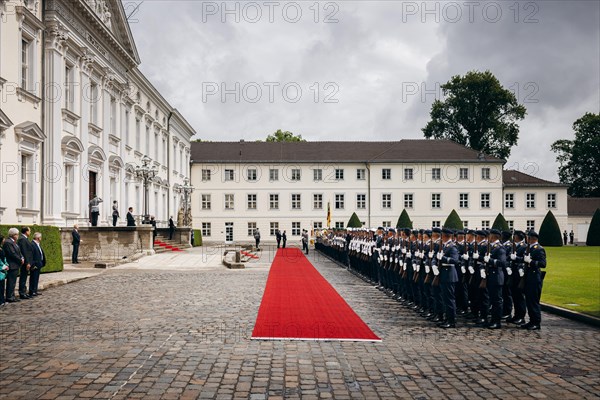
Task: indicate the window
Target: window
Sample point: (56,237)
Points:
(317,174)
(126,123)
(94,101)
(252,202)
(485,173)
(273,175)
(435,224)
(386,200)
(25,63)
(69,87)
(317,225)
(361,174)
(69,179)
(251,173)
(551,200)
(485,200)
(295,175)
(229,175)
(206,231)
(339,174)
(436,200)
(436,174)
(530,200)
(206,203)
(296,201)
(295,228)
(408,200)
(361,201)
(318,201)
(530,224)
(274,201)
(339,225)
(464,173)
(386,174)
(148,141)
(408,174)
(205,175)
(274,226)
(25,196)
(251,228)
(511,224)
(339,201)
(156,147)
(509,200)
(113,116)
(466,224)
(229,201)
(485,224)
(138,134)
(463,200)
(386,224)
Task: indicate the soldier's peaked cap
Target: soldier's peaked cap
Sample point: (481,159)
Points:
(481,233)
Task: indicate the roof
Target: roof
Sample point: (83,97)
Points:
(512,178)
(584,206)
(406,150)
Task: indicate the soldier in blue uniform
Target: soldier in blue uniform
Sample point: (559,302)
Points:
(493,272)
(507,302)
(534,261)
(445,265)
(436,291)
(462,294)
(482,302)
(517,268)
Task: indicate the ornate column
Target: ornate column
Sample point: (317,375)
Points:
(82,174)
(104,189)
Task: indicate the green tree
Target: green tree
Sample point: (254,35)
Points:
(453,221)
(477,112)
(550,232)
(593,236)
(404,220)
(286,136)
(500,223)
(354,222)
(579,159)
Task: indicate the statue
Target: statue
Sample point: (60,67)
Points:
(180,216)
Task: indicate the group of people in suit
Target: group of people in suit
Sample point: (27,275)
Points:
(20,258)
(280,237)
(488,276)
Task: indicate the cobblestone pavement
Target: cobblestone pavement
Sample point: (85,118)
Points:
(158,331)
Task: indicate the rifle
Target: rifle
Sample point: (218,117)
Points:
(436,279)
(415,277)
(514,250)
(522,281)
(483,283)
(428,277)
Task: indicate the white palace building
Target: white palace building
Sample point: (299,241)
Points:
(77,116)
(241,186)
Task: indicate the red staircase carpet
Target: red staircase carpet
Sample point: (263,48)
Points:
(300,304)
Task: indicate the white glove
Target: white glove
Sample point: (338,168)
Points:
(527,259)
(408,255)
(483,274)
(521,272)
(466,257)
(418,267)
(396,260)
(440,255)
(471,270)
(427,268)
(385,257)
(486,259)
(431,254)
(405,266)
(513,256)
(436,270)
(463,270)
(403,251)
(509,271)
(401,263)
(476,256)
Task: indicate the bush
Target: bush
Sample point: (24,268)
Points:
(354,222)
(51,244)
(550,232)
(593,236)
(197,238)
(500,223)
(453,221)
(404,220)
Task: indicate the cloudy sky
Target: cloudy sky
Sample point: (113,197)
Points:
(368,70)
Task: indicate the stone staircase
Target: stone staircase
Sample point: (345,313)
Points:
(163,244)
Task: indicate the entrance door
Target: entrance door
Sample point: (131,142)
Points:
(228,232)
(92,184)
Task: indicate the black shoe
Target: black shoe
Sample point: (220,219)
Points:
(507,317)
(495,325)
(526,326)
(13,300)
(481,322)
(534,328)
(442,322)
(519,321)
(25,297)
(437,319)
(461,312)
(448,325)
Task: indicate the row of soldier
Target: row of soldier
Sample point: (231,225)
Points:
(485,275)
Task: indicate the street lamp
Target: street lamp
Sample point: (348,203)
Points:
(146,173)
(186,190)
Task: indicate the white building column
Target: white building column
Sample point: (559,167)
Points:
(82,176)
(103,189)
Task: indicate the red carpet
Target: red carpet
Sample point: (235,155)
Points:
(299,303)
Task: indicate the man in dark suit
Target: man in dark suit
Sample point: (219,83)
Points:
(39,261)
(447,259)
(130,219)
(27,253)
(278,237)
(75,242)
(495,263)
(14,260)
(171,228)
(284,238)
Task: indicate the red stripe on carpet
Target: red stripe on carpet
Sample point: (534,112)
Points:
(299,303)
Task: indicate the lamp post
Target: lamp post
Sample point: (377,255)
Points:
(186,190)
(146,173)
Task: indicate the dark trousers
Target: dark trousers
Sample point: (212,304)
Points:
(507,301)
(23,275)
(305,246)
(483,303)
(448,292)
(436,295)
(462,293)
(284,243)
(257,242)
(95,218)
(74,257)
(114,220)
(2,290)
(495,293)
(171,232)
(518,297)
(11,283)
(278,243)
(34,280)
(533,291)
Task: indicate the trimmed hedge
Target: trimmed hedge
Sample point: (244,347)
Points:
(501,224)
(51,243)
(453,221)
(593,236)
(550,235)
(197,238)
(354,222)
(404,220)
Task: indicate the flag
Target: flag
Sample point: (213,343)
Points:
(328,214)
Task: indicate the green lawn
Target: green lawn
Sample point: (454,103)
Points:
(573,279)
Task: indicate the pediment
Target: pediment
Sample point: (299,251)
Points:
(5,122)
